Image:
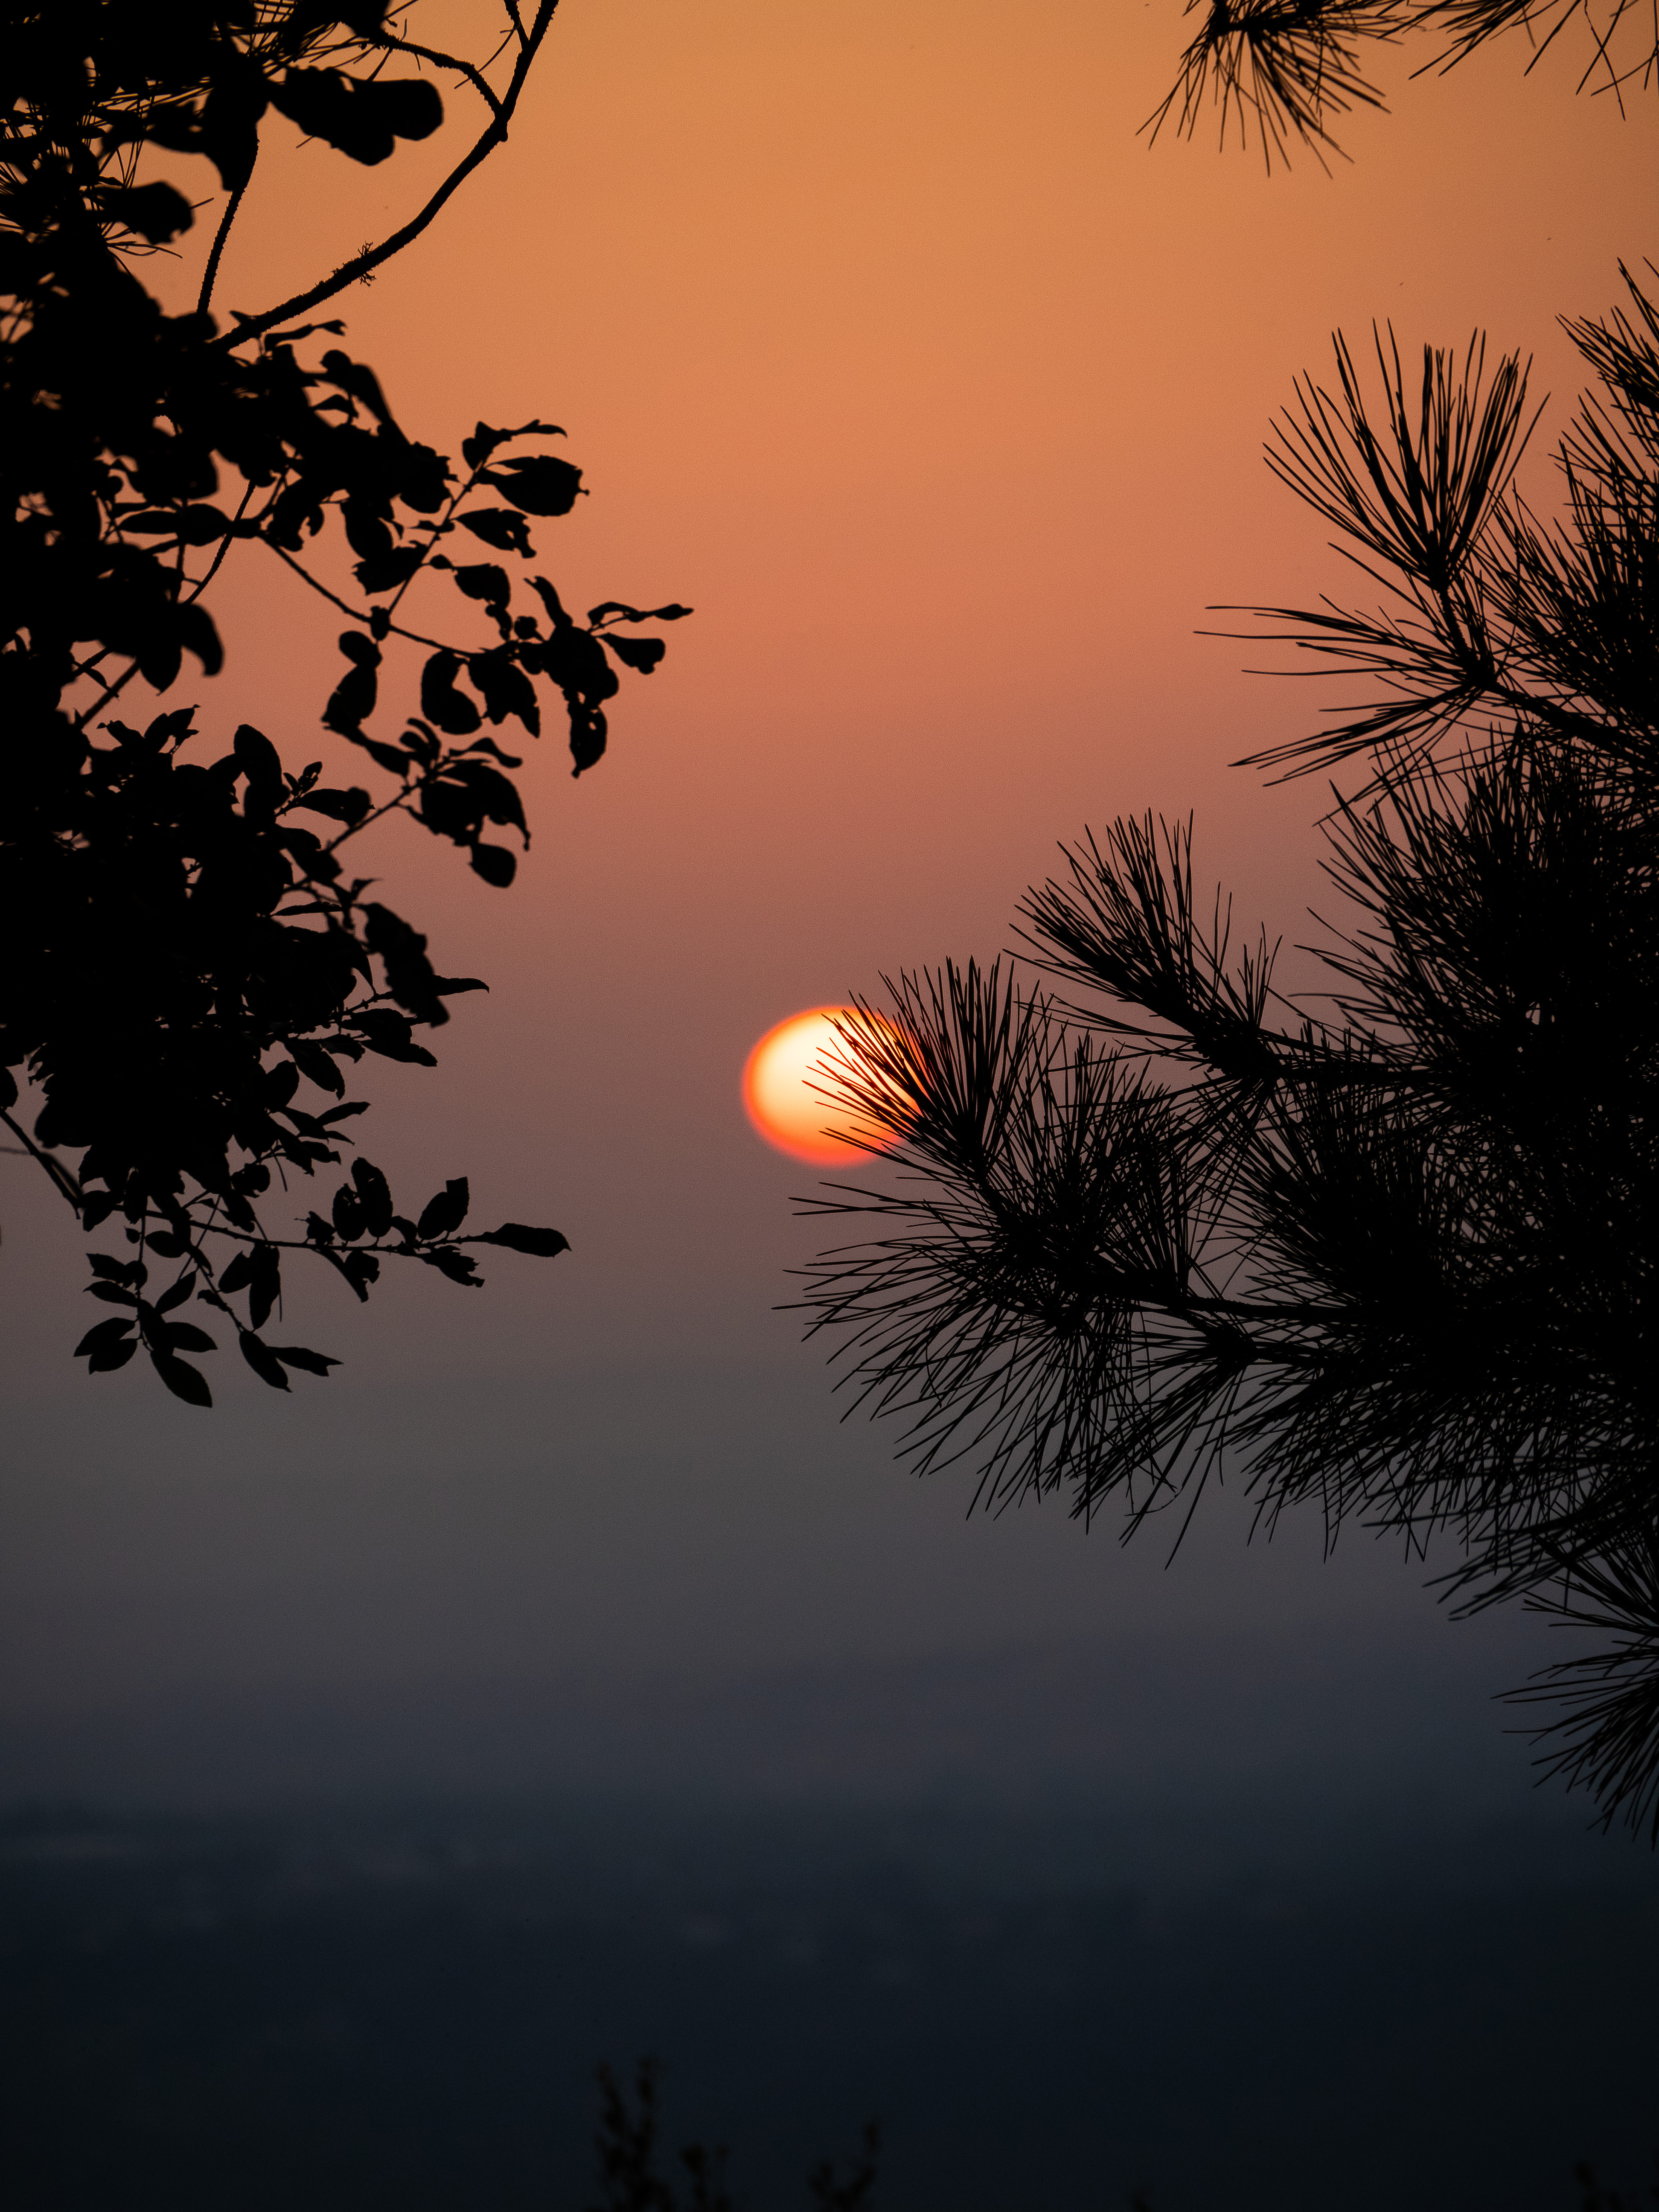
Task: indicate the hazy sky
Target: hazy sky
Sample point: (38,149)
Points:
(887,345)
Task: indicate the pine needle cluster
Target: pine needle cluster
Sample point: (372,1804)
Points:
(1284,71)
(1389,1252)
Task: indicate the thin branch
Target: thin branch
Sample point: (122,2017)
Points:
(199,586)
(453,61)
(356,613)
(109,692)
(373,258)
(59,1174)
(233,206)
(463,491)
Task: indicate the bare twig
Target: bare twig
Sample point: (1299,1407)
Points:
(373,258)
(59,1174)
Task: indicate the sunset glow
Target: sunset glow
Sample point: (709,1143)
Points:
(779,1097)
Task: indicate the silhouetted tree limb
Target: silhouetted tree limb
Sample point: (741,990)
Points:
(501,110)
(1389,1251)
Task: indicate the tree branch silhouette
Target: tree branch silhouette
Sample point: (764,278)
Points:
(1289,69)
(1387,1252)
(501,107)
(184,954)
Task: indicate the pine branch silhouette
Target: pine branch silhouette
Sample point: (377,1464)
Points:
(1387,1252)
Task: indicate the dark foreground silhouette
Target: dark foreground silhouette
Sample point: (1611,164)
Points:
(630,2158)
(1048,2011)
(631,2176)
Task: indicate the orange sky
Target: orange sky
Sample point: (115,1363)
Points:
(888,345)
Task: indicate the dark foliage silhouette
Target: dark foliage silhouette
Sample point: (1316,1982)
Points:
(631,2180)
(1598,2197)
(188,953)
(627,2150)
(1388,1251)
(1283,70)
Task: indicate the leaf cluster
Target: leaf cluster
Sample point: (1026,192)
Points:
(1389,1251)
(192,970)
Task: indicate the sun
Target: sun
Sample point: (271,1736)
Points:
(779,1098)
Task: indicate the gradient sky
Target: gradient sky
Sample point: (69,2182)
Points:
(887,345)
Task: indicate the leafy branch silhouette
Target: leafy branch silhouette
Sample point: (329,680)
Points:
(184,951)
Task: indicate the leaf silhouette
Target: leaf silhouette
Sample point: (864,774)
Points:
(183,1380)
(541,1243)
(446,1211)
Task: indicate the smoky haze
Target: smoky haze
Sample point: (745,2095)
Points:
(664,1579)
(885,345)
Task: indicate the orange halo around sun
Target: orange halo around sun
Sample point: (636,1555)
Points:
(780,1100)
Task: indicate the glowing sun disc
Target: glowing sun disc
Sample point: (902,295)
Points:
(779,1099)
